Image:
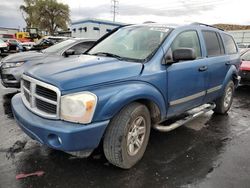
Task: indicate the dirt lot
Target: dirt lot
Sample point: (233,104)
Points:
(212,151)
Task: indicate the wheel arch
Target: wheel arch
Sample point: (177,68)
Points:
(232,74)
(142,93)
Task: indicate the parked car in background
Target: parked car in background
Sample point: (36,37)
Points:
(7,36)
(47,41)
(135,78)
(245,68)
(14,65)
(27,45)
(14,45)
(3,46)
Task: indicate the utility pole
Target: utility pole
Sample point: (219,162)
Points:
(114,8)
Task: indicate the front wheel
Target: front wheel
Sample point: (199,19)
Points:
(127,135)
(224,103)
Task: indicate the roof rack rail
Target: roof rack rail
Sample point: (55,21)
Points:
(197,23)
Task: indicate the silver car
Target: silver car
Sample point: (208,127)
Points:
(13,66)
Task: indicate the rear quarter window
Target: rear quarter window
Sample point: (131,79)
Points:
(213,43)
(229,44)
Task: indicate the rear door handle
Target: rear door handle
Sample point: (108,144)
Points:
(228,63)
(203,68)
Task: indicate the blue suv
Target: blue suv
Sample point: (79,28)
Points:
(134,78)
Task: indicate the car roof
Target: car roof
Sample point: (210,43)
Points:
(176,26)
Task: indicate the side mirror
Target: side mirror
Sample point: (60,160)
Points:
(184,54)
(69,52)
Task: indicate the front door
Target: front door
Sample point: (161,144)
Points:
(186,79)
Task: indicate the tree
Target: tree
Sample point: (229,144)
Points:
(29,12)
(48,15)
(53,15)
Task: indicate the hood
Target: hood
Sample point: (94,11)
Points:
(245,65)
(84,71)
(24,56)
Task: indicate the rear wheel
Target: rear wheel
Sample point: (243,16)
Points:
(127,136)
(224,103)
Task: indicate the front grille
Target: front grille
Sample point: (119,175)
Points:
(47,93)
(40,98)
(8,77)
(46,107)
(26,84)
(27,96)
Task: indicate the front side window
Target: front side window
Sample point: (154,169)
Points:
(212,43)
(187,39)
(230,45)
(135,43)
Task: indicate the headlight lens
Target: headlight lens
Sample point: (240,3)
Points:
(78,107)
(11,65)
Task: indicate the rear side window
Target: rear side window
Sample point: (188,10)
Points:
(229,43)
(213,43)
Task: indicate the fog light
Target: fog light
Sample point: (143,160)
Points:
(54,140)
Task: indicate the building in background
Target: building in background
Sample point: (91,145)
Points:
(92,28)
(5,30)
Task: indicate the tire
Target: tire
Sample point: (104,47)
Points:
(224,103)
(122,139)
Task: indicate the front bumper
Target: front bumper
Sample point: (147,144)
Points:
(11,77)
(58,134)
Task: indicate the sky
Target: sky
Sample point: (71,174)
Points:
(139,11)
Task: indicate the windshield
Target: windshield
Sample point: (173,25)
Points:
(59,46)
(136,43)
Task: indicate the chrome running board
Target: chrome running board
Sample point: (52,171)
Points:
(191,115)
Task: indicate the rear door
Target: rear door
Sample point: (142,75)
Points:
(186,79)
(218,63)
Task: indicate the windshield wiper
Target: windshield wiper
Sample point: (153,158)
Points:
(106,54)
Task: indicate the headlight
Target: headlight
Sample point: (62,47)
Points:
(11,65)
(78,107)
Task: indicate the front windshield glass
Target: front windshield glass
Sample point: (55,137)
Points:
(59,46)
(136,43)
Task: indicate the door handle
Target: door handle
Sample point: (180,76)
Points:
(203,68)
(228,63)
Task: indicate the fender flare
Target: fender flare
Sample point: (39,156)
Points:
(229,76)
(127,94)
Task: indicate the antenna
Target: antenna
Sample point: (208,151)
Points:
(114,8)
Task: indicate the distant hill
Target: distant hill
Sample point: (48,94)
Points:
(231,27)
